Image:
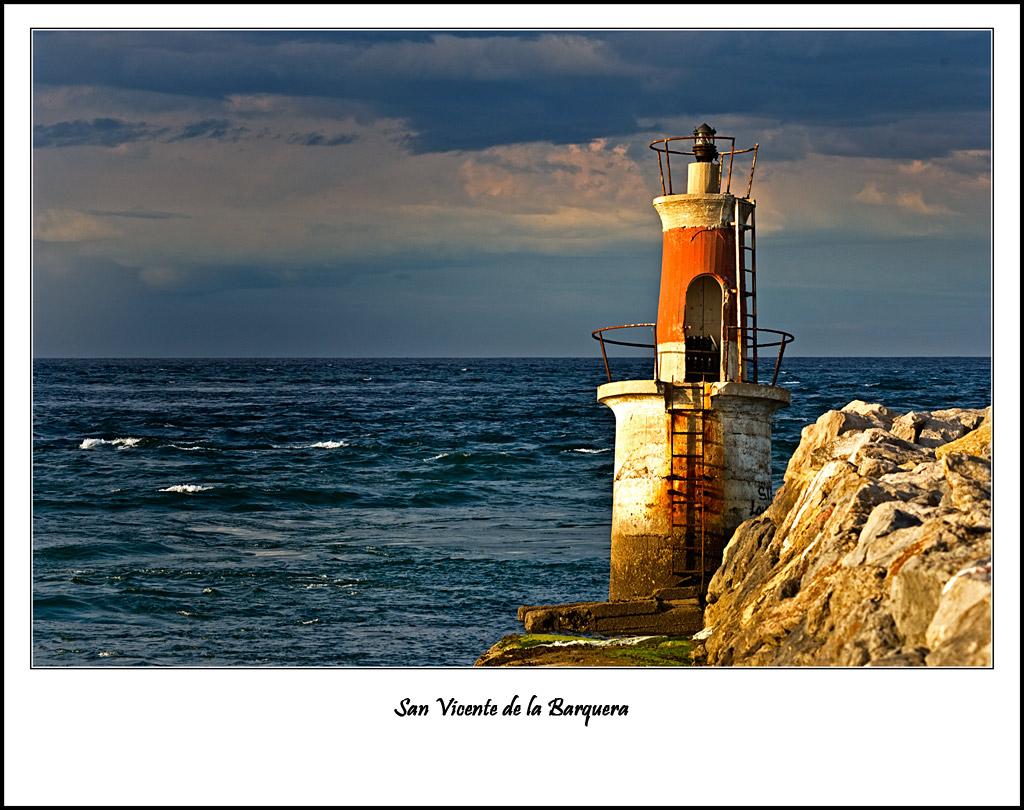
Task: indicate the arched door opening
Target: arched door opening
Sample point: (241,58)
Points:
(702,324)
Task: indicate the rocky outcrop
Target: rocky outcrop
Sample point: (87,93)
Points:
(876,550)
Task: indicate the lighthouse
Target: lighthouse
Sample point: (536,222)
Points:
(693,440)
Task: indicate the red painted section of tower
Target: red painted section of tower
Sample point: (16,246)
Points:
(686,254)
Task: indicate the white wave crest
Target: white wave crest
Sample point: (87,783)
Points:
(125,442)
(328,445)
(438,457)
(588,450)
(88,444)
(186,488)
(190,447)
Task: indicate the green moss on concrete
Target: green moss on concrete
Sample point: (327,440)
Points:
(541,649)
(666,653)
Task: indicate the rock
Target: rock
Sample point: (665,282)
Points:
(908,426)
(970,418)
(872,411)
(914,657)
(976,443)
(830,425)
(960,633)
(852,563)
(969,481)
(917,576)
(881,538)
(923,484)
(938,427)
(878,452)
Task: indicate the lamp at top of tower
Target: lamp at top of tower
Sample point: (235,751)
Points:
(704,149)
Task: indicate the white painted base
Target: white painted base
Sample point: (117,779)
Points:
(739,428)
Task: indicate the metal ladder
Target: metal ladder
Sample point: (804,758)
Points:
(689,484)
(746,278)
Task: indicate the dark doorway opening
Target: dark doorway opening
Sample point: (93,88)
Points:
(702,324)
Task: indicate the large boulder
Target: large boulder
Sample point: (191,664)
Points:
(875,551)
(938,427)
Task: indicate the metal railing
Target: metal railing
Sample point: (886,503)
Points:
(750,350)
(661,146)
(598,335)
(750,371)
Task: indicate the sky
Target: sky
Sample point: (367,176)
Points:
(388,193)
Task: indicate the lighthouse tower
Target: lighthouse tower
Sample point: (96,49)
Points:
(693,443)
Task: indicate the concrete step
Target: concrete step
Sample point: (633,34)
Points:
(665,594)
(642,616)
(601,610)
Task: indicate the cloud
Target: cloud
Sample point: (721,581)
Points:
(484,59)
(109,132)
(319,139)
(474,163)
(528,175)
(905,136)
(824,196)
(907,199)
(214,128)
(872,196)
(112,132)
(64,225)
(476,89)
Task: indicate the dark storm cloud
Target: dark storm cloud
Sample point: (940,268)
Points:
(472,91)
(108,132)
(319,139)
(215,128)
(112,132)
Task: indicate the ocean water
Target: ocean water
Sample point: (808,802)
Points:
(348,512)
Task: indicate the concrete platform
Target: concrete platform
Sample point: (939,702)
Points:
(671,611)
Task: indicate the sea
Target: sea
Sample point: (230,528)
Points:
(348,512)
